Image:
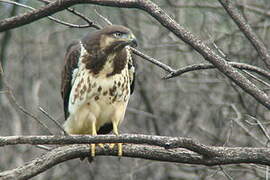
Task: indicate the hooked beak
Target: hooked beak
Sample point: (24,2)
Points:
(129,40)
(132,40)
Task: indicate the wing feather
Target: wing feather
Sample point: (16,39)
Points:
(71,64)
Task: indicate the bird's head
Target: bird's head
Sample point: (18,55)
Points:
(116,37)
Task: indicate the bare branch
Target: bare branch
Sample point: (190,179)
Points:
(231,9)
(195,67)
(53,7)
(222,155)
(73,11)
(104,18)
(246,72)
(261,126)
(237,121)
(256,78)
(206,52)
(163,141)
(152,60)
(50,17)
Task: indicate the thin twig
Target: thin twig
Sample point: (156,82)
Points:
(73,11)
(230,7)
(237,120)
(144,113)
(89,21)
(268,140)
(50,17)
(219,50)
(262,128)
(196,67)
(256,78)
(51,118)
(104,18)
(226,174)
(152,60)
(251,75)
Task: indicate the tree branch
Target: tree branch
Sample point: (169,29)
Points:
(162,141)
(165,20)
(153,151)
(152,60)
(206,52)
(195,67)
(247,30)
(90,23)
(56,6)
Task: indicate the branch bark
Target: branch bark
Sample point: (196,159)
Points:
(154,150)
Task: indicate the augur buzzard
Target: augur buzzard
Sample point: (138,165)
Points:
(97,80)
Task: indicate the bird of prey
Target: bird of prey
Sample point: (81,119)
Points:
(97,80)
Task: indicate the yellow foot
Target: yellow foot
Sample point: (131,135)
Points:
(111,145)
(93,150)
(101,145)
(120,148)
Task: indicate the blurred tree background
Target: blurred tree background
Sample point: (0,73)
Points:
(204,105)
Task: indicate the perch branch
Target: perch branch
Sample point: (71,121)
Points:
(154,150)
(162,141)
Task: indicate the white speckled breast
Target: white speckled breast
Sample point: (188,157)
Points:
(96,98)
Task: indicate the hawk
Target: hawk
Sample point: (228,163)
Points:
(97,80)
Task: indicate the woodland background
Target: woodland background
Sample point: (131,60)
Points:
(204,105)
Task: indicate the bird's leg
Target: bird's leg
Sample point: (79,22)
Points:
(94,133)
(115,131)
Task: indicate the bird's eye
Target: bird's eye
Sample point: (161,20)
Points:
(117,35)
